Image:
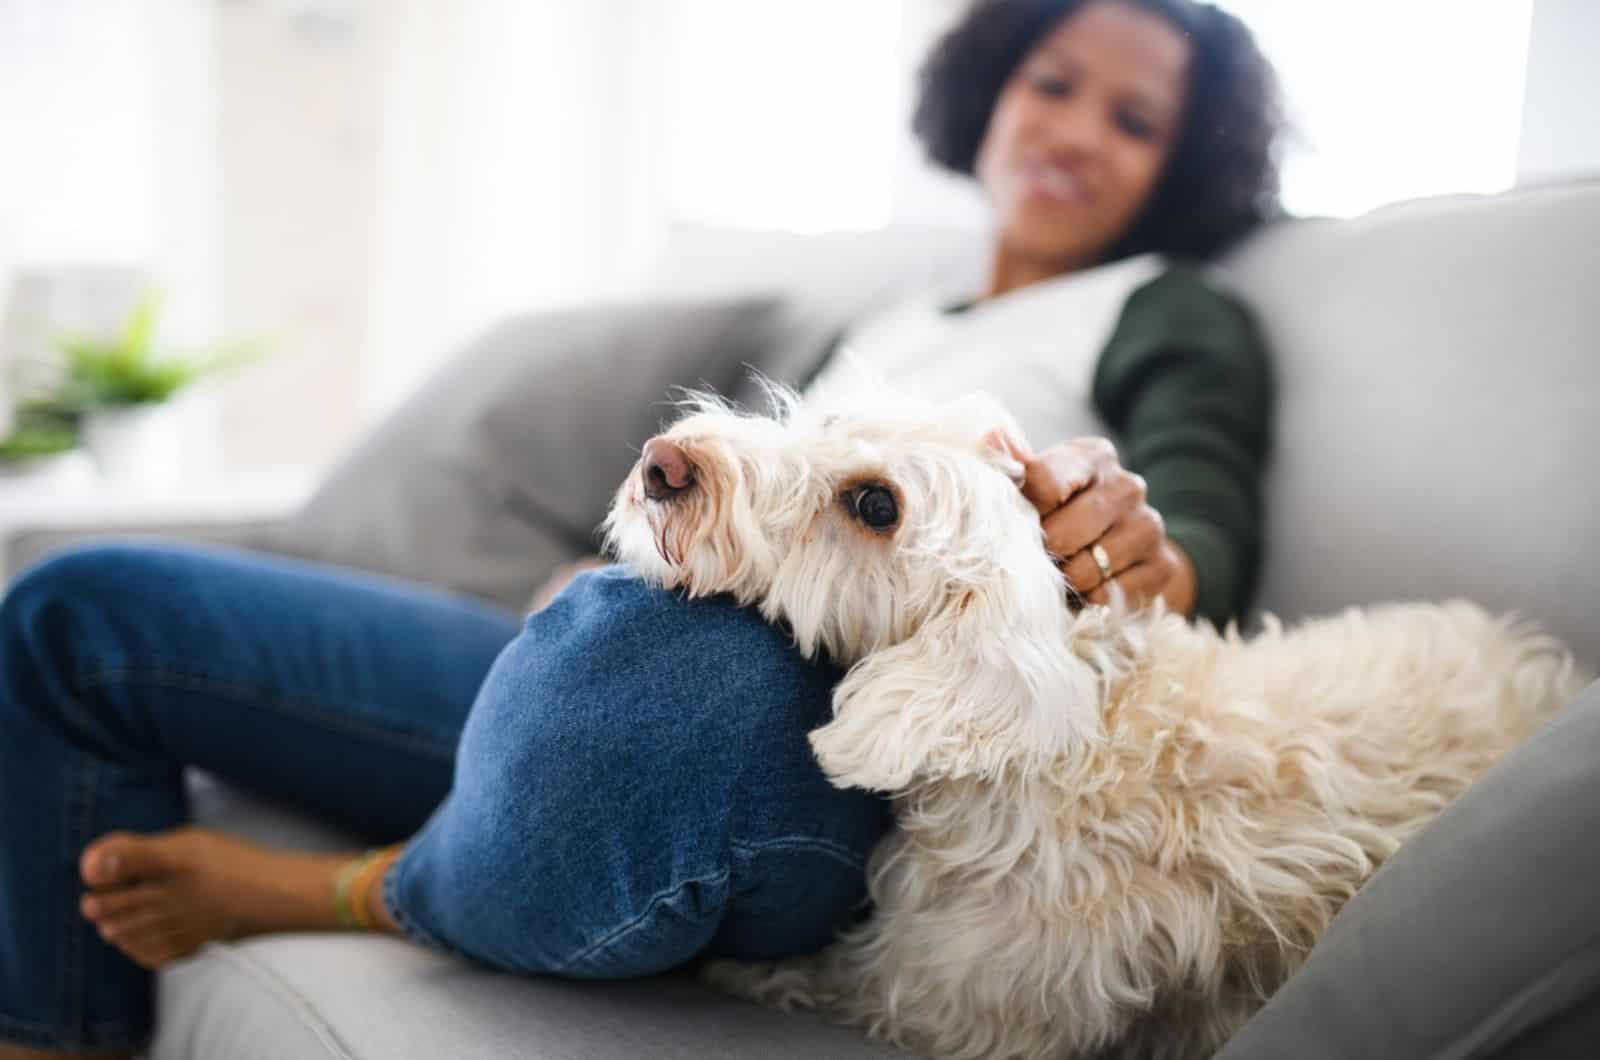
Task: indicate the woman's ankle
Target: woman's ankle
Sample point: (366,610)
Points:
(377,910)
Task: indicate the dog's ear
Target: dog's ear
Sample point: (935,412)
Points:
(990,681)
(1008,452)
(999,435)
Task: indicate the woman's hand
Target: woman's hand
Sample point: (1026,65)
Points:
(559,578)
(1086,498)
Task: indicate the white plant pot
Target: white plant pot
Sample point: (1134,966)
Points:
(60,471)
(137,445)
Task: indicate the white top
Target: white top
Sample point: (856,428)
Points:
(1033,349)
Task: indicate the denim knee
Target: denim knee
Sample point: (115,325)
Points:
(39,614)
(619,752)
(78,613)
(59,599)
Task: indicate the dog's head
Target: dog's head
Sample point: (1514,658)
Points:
(891,535)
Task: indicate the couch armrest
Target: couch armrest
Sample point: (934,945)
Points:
(67,504)
(24,545)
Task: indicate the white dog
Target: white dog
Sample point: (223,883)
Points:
(1112,828)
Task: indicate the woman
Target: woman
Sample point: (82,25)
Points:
(633,787)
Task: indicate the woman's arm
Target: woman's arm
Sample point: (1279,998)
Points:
(1185,383)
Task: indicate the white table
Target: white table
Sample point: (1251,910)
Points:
(70,496)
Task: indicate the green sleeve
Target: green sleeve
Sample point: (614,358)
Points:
(1185,386)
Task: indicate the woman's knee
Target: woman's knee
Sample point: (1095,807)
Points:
(618,680)
(89,603)
(41,606)
(86,580)
(617,750)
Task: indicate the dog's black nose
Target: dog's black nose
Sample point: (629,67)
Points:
(666,470)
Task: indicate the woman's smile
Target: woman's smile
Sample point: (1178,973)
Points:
(1078,139)
(1053,181)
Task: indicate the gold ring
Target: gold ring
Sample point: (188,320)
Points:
(1102,561)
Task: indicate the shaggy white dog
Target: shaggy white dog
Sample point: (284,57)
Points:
(1112,828)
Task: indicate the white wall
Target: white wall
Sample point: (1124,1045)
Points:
(515,169)
(110,175)
(296,119)
(1561,103)
(365,183)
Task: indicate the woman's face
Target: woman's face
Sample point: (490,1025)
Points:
(1081,131)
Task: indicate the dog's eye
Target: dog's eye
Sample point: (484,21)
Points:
(875,506)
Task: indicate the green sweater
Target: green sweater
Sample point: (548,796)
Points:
(1186,386)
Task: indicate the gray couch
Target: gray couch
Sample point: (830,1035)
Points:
(1439,418)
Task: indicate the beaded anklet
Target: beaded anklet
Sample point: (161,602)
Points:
(352,886)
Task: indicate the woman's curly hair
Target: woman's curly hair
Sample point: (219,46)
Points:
(1221,180)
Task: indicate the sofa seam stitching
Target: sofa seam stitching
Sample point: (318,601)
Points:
(1470,1039)
(297,1002)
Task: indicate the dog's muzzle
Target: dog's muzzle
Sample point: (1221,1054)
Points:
(665,471)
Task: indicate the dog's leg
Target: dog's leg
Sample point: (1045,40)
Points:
(798,983)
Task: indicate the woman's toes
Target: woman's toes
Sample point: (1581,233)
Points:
(118,857)
(133,925)
(148,954)
(143,940)
(157,947)
(111,904)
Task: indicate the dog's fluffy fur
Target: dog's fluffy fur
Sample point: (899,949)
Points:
(1113,828)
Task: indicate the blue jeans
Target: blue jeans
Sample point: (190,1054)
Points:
(616,786)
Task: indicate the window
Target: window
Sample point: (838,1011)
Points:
(1395,99)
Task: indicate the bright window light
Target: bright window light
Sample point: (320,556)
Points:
(782,115)
(77,125)
(1395,99)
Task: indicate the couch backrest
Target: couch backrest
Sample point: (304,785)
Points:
(1438,413)
(1439,406)
(1439,388)
(500,466)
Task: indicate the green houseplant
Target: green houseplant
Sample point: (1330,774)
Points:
(120,389)
(129,370)
(40,432)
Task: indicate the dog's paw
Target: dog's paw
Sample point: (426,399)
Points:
(784,985)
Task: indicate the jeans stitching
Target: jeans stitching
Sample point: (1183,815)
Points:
(309,711)
(77,820)
(74,1031)
(390,889)
(623,930)
(812,844)
(51,1036)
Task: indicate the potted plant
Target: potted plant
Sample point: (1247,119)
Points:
(41,435)
(121,390)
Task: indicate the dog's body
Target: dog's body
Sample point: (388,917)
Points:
(1165,884)
(1112,828)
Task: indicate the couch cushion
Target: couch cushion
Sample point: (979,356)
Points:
(342,996)
(1438,420)
(502,464)
(339,995)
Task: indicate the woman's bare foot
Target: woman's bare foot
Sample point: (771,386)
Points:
(160,897)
